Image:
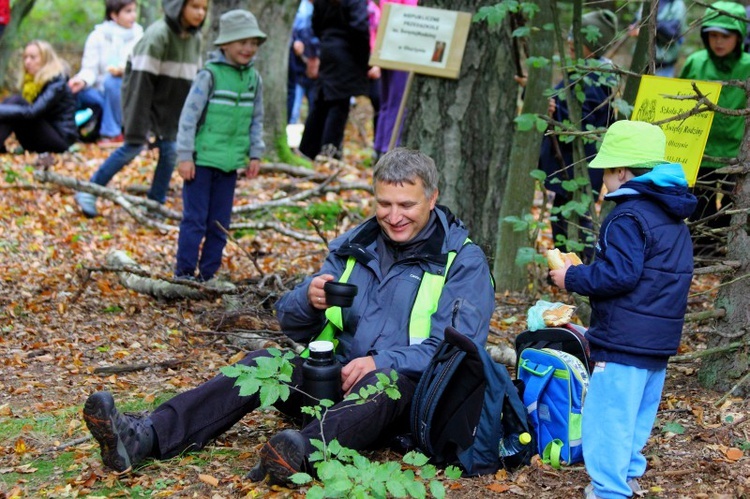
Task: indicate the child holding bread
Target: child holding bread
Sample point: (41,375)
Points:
(638,286)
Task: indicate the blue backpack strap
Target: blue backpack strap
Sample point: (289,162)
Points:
(536,383)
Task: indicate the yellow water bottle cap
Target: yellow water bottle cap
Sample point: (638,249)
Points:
(524,438)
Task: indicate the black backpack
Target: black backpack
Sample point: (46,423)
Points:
(463,406)
(568,338)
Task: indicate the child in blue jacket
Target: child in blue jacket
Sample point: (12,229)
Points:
(638,287)
(220,133)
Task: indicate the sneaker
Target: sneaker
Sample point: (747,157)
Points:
(634,485)
(125,439)
(115,141)
(87,203)
(282,456)
(588,492)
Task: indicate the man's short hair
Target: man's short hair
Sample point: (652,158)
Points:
(402,165)
(115,6)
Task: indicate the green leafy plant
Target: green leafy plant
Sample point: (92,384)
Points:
(269,376)
(346,473)
(673,427)
(532,225)
(341,472)
(11,176)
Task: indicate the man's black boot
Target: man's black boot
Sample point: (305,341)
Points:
(125,439)
(282,456)
(257,473)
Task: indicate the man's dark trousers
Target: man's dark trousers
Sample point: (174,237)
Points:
(192,419)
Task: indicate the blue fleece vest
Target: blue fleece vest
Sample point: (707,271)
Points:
(643,328)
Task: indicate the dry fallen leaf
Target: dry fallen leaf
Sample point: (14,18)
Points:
(213,481)
(498,487)
(734,454)
(20,446)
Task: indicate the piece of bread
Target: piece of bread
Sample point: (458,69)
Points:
(562,314)
(556,259)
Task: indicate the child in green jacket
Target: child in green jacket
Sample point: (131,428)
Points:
(221,132)
(156,81)
(723,59)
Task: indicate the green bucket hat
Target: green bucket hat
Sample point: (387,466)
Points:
(631,144)
(236,25)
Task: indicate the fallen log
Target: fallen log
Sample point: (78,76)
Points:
(133,277)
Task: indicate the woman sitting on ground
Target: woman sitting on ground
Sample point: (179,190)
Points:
(43,115)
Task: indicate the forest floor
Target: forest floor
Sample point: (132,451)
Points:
(57,326)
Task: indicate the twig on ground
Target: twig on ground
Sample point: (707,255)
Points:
(128,368)
(70,443)
(705,315)
(86,279)
(249,255)
(278,227)
(708,351)
(731,390)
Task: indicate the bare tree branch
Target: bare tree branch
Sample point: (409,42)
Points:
(278,227)
(249,255)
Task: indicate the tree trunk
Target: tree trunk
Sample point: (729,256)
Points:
(148,12)
(642,57)
(18,13)
(275,19)
(524,156)
(465,125)
(723,370)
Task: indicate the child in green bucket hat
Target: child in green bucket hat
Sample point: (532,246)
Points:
(638,286)
(220,134)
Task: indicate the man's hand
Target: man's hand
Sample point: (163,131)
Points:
(374,73)
(253,168)
(558,276)
(76,84)
(316,295)
(186,169)
(355,371)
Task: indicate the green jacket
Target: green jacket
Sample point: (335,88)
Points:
(726,131)
(222,141)
(158,76)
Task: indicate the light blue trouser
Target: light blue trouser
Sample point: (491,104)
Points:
(111,109)
(618,414)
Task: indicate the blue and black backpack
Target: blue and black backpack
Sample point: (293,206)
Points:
(463,407)
(554,365)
